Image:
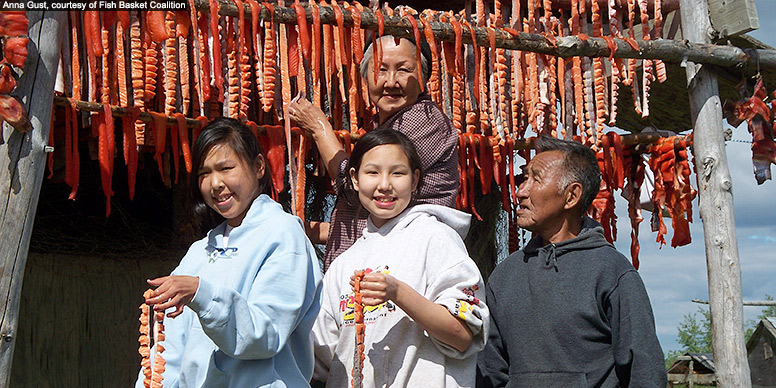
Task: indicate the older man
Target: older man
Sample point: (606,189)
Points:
(568,310)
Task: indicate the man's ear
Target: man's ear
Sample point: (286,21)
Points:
(573,195)
(354,178)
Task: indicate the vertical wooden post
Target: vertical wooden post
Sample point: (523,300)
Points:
(716,207)
(22,162)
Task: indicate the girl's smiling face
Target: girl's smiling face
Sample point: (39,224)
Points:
(384,182)
(228,183)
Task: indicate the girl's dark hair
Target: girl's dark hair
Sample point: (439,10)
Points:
(380,137)
(237,136)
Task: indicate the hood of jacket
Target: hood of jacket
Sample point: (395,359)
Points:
(591,236)
(457,220)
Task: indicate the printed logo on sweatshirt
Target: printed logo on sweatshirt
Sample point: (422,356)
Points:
(221,253)
(371,313)
(469,291)
(464,307)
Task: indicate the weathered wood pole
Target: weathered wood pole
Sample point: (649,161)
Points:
(716,208)
(22,162)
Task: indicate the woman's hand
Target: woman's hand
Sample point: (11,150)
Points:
(312,119)
(377,288)
(308,117)
(172,291)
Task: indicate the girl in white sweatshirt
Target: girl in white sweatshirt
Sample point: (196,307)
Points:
(423,296)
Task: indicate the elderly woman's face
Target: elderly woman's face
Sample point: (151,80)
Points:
(397,83)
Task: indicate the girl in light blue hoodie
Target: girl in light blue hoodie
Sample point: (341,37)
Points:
(241,303)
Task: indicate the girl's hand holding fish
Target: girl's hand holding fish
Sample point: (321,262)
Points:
(172,291)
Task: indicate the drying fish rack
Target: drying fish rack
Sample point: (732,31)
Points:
(529,43)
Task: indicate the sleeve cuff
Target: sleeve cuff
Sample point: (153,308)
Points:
(202,297)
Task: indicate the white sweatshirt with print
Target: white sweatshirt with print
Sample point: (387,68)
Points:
(423,248)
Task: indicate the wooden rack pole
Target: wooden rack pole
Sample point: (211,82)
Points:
(671,51)
(23,158)
(119,111)
(715,200)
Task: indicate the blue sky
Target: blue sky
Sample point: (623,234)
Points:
(675,276)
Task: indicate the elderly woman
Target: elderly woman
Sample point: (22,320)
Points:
(400,106)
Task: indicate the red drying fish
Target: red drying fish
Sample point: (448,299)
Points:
(160,136)
(13,112)
(358,33)
(634,166)
(275,155)
(13,23)
(182,27)
(92,32)
(15,50)
(74,156)
(301,177)
(145,340)
(270,52)
(315,65)
(304,34)
(215,8)
(258,46)
(156,26)
(416,34)
(378,52)
(203,122)
(75,69)
(91,29)
(7,80)
(68,146)
(158,366)
(203,58)
(150,64)
(433,81)
(183,133)
(130,146)
(105,151)
(120,62)
(170,73)
(174,140)
(358,321)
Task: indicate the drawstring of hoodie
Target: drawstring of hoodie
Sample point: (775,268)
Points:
(551,256)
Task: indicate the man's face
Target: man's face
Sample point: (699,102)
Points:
(541,203)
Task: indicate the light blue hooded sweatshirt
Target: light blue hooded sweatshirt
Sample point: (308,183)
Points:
(249,322)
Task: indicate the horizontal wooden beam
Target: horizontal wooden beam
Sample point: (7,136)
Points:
(754,303)
(667,50)
(680,378)
(119,111)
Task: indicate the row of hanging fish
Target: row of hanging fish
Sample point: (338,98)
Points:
(761,120)
(179,64)
(491,91)
(13,40)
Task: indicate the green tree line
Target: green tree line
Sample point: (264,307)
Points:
(694,332)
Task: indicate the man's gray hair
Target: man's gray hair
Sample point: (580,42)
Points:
(579,165)
(368,60)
